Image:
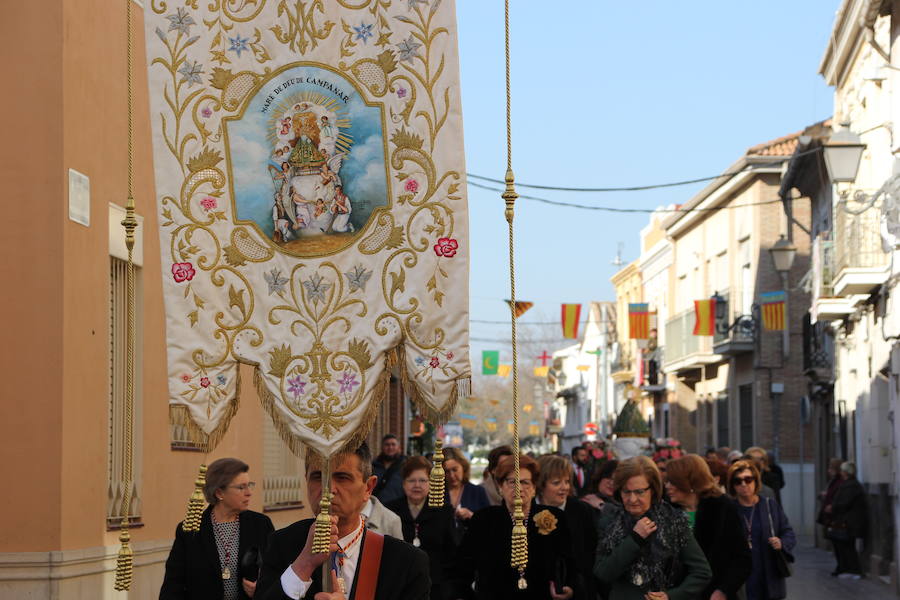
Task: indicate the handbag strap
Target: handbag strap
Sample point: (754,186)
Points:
(369,565)
(769,512)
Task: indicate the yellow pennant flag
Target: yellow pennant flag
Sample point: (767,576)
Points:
(504,370)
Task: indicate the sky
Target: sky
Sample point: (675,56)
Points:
(610,94)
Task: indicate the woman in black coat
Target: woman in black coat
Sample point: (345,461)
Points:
(431,529)
(716,524)
(210,564)
(554,489)
(483,556)
(849,520)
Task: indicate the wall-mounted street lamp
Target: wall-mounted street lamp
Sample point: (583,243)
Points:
(783,253)
(843,153)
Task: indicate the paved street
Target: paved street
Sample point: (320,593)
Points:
(812,579)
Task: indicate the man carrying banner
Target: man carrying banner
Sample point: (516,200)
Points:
(366,564)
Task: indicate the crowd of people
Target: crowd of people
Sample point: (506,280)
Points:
(678,527)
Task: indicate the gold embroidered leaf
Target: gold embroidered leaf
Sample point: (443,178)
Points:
(398,282)
(439,298)
(359,352)
(452,188)
(387,61)
(406,139)
(207,159)
(401,175)
(279,359)
(198,301)
(395,239)
(234,257)
(221,78)
(193,317)
(236,299)
(431,284)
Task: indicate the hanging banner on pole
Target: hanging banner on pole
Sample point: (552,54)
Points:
(571,313)
(638,321)
(773,310)
(704,317)
(312,212)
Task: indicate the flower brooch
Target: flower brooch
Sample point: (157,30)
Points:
(545,522)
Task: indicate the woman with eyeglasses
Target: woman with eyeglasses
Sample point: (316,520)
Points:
(647,550)
(482,567)
(425,527)
(767,530)
(716,524)
(221,560)
(465,497)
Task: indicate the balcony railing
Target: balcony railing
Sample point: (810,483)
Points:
(823,266)
(680,339)
(857,239)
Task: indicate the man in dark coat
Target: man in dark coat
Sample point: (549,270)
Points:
(581,472)
(387,467)
(849,515)
(291,570)
(723,539)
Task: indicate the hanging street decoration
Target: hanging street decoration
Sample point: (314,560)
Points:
(519,307)
(638,321)
(571,313)
(490,362)
(773,316)
(504,370)
(541,371)
(705,317)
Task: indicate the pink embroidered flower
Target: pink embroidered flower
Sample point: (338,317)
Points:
(209,203)
(204,382)
(183,271)
(206,112)
(401,92)
(185,378)
(446,247)
(434,362)
(449,356)
(412,186)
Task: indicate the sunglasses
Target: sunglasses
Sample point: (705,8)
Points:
(745,480)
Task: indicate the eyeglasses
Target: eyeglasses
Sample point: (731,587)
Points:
(525,483)
(748,480)
(243,487)
(415,481)
(638,493)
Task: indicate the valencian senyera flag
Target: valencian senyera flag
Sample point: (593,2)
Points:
(312,212)
(704,317)
(519,307)
(773,317)
(639,321)
(571,313)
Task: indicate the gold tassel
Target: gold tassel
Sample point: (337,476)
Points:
(519,543)
(436,483)
(125,561)
(196,503)
(322,535)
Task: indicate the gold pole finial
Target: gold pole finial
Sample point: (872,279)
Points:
(196,503)
(436,483)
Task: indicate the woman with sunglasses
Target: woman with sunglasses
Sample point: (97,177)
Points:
(425,527)
(716,523)
(220,560)
(767,530)
(647,550)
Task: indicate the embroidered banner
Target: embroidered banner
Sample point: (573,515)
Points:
(312,212)
(773,310)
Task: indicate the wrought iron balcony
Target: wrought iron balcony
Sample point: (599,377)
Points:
(860,262)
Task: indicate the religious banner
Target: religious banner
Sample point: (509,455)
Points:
(571,313)
(638,321)
(704,317)
(312,209)
(773,317)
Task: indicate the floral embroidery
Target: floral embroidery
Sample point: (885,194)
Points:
(185,378)
(409,49)
(434,362)
(357,278)
(420,361)
(209,203)
(206,112)
(221,379)
(296,386)
(363,32)
(449,356)
(348,382)
(545,522)
(204,382)
(181,21)
(316,288)
(239,44)
(191,72)
(401,92)
(412,186)
(276,281)
(446,247)
(183,271)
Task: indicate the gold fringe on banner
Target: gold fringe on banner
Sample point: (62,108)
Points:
(124,561)
(179,414)
(196,503)
(436,482)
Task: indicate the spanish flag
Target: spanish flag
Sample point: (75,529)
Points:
(705,313)
(520,307)
(638,321)
(773,317)
(571,314)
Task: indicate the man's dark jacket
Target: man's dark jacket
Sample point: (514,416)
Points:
(403,574)
(390,481)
